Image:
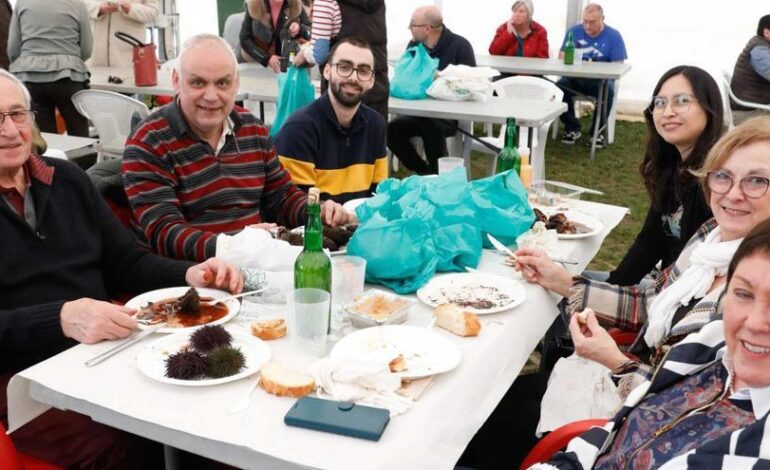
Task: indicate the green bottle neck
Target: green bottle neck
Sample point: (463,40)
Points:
(313,228)
(510,136)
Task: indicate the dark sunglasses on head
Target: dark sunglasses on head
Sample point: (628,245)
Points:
(114,79)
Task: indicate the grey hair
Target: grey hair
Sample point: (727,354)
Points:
(13,78)
(200,39)
(595,7)
(433,18)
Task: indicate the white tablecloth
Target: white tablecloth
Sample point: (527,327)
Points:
(432,434)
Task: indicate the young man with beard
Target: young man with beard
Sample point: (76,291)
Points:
(337,143)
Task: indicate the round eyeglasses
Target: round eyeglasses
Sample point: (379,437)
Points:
(346,69)
(19,116)
(679,103)
(722,182)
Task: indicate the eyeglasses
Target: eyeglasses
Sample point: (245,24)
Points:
(679,103)
(413,25)
(114,79)
(20,116)
(363,72)
(721,182)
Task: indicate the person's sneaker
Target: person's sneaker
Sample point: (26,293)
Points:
(570,137)
(601,142)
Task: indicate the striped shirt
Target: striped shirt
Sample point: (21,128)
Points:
(327,22)
(183,194)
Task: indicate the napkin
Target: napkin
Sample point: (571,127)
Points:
(359,381)
(255,248)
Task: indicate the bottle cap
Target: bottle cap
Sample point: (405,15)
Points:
(314,196)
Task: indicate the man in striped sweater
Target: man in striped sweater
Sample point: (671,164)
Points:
(201,166)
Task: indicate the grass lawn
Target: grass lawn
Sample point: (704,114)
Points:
(615,172)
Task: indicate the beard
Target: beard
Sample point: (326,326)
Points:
(346,100)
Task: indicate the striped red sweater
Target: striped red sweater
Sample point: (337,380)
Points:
(183,196)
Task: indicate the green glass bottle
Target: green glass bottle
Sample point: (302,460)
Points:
(313,268)
(569,50)
(508,158)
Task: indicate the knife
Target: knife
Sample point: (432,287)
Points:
(500,247)
(132,340)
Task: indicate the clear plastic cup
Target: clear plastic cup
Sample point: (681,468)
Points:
(447,164)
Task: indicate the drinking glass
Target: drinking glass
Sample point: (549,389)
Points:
(447,164)
(348,277)
(309,319)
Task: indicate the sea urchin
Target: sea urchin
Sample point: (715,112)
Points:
(224,362)
(186,365)
(210,337)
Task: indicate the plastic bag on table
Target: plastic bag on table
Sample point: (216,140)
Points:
(463,83)
(418,226)
(294,92)
(413,74)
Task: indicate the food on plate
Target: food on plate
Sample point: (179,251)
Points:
(278,379)
(455,319)
(224,361)
(334,238)
(208,355)
(583,316)
(538,237)
(186,364)
(398,364)
(378,306)
(539,216)
(181,312)
(210,337)
(269,329)
(562,224)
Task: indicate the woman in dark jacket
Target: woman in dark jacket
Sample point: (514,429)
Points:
(268,28)
(684,120)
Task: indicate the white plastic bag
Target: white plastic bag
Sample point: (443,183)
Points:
(461,83)
(577,389)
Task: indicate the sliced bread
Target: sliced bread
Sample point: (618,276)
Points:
(458,321)
(284,382)
(269,329)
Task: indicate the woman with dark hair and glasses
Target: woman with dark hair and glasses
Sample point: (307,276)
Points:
(735,178)
(684,120)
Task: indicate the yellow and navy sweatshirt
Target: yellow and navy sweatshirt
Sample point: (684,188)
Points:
(344,163)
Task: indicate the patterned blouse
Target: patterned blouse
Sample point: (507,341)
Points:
(677,420)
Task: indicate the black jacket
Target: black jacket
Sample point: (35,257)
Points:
(451,49)
(257,33)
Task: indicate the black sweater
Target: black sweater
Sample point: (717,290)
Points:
(79,250)
(653,244)
(451,49)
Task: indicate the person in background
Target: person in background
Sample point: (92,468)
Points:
(337,143)
(127,16)
(599,43)
(64,257)
(684,120)
(708,406)
(751,74)
(48,44)
(735,178)
(268,28)
(520,36)
(307,5)
(427,27)
(5,22)
(200,166)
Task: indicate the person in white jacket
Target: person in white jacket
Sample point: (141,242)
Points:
(128,16)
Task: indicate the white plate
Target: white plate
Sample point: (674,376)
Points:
(594,225)
(502,292)
(152,359)
(351,205)
(233,306)
(425,352)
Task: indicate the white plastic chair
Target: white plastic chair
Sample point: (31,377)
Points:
(728,95)
(531,89)
(232,30)
(611,114)
(112,115)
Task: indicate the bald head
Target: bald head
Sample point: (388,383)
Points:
(211,44)
(429,15)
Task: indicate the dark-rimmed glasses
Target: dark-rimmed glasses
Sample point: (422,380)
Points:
(19,116)
(721,182)
(679,103)
(346,69)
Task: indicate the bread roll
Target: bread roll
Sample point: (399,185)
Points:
(279,380)
(398,364)
(269,329)
(458,321)
(582,317)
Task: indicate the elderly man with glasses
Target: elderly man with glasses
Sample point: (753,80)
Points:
(427,27)
(337,143)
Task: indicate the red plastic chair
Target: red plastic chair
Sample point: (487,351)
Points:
(558,440)
(11,459)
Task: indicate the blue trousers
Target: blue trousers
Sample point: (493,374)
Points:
(587,87)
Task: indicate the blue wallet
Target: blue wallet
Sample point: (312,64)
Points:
(338,417)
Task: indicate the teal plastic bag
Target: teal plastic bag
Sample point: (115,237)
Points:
(294,92)
(415,227)
(413,74)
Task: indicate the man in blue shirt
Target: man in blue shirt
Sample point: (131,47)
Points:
(599,43)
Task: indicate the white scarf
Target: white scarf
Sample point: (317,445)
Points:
(708,260)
